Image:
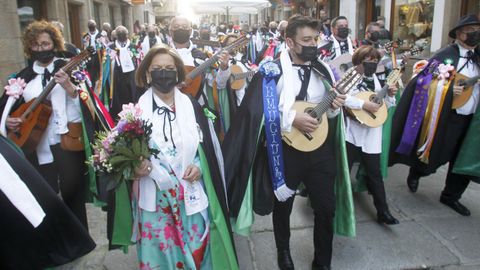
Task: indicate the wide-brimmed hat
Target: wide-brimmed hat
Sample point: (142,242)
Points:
(471,19)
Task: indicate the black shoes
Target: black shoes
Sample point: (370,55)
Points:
(457,206)
(386,218)
(284,260)
(319,267)
(412,183)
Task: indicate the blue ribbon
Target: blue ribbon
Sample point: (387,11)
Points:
(272,132)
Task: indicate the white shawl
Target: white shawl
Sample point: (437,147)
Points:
(336,46)
(125,57)
(146,44)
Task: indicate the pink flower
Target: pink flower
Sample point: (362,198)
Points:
(130,111)
(15,87)
(444,71)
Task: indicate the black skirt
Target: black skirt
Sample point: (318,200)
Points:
(59,239)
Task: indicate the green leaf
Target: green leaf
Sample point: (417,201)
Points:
(124,151)
(136,147)
(115,161)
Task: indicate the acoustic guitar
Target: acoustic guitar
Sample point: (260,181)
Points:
(238,77)
(305,141)
(467,83)
(202,43)
(384,62)
(193,79)
(35,114)
(375,119)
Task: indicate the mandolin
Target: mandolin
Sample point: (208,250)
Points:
(35,114)
(375,119)
(193,80)
(238,77)
(467,83)
(307,142)
(202,43)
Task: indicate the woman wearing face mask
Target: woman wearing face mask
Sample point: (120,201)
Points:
(63,169)
(364,143)
(181,214)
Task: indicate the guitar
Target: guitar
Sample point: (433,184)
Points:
(202,43)
(467,83)
(238,77)
(412,52)
(35,114)
(193,79)
(375,119)
(305,141)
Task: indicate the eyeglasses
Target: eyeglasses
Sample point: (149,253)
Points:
(43,46)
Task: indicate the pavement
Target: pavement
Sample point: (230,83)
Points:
(429,236)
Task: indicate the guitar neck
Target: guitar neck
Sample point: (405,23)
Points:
(39,99)
(472,81)
(201,68)
(324,105)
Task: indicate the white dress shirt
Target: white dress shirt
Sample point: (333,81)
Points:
(368,138)
(470,70)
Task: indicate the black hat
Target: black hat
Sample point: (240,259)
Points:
(471,19)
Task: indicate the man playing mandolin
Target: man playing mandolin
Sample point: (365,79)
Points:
(428,135)
(297,76)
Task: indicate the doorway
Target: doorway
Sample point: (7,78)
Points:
(74,20)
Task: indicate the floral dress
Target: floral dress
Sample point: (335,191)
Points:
(168,238)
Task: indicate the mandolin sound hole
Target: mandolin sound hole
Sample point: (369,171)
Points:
(311,112)
(375,99)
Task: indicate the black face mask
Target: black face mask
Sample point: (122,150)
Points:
(473,38)
(308,53)
(273,30)
(205,36)
(91,28)
(369,68)
(122,37)
(164,80)
(374,36)
(44,57)
(181,36)
(254,30)
(343,32)
(151,34)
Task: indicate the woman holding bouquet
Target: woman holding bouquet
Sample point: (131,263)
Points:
(181,213)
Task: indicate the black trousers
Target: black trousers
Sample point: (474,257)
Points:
(317,171)
(455,184)
(375,185)
(67,175)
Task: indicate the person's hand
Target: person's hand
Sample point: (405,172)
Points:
(224,58)
(143,169)
(392,90)
(304,122)
(371,106)
(457,90)
(62,78)
(13,123)
(338,101)
(192,173)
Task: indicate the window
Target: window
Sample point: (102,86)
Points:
(30,10)
(412,22)
(96,13)
(112,15)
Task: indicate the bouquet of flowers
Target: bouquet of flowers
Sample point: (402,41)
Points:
(118,152)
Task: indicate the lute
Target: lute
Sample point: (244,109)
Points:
(193,79)
(238,77)
(305,141)
(35,114)
(467,83)
(202,43)
(375,119)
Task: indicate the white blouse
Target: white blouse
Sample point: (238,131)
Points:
(368,138)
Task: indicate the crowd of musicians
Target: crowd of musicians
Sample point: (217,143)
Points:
(244,118)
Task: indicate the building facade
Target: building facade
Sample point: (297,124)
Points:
(73,14)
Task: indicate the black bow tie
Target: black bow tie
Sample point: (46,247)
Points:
(167,115)
(46,77)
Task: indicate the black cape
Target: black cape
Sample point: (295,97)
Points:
(446,141)
(244,155)
(59,239)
